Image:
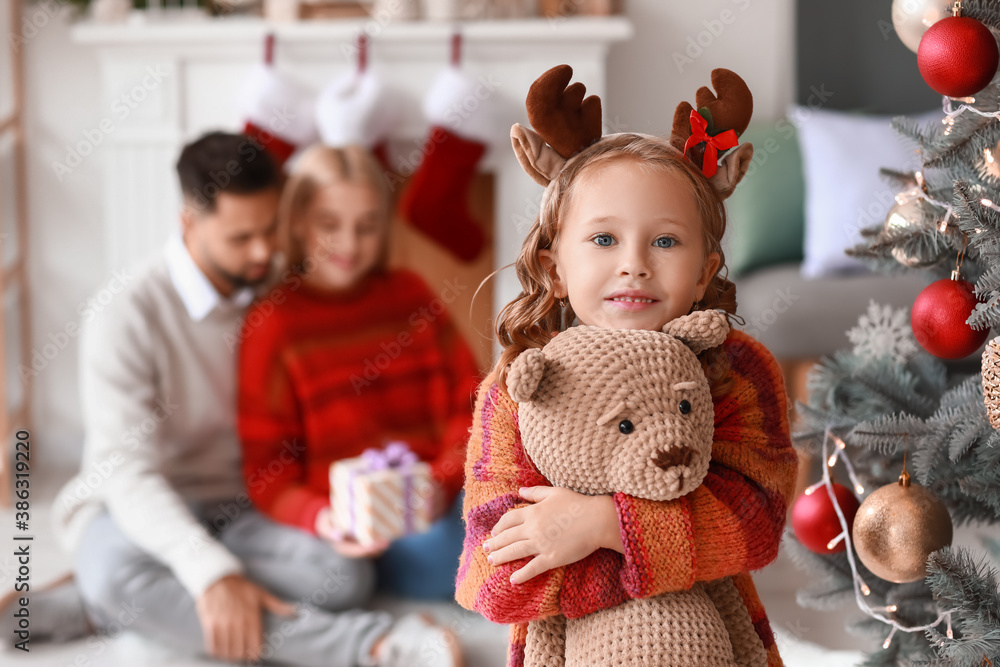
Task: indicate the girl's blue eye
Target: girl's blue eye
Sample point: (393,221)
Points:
(669,242)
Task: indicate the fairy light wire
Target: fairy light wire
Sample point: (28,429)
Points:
(951,114)
(859,595)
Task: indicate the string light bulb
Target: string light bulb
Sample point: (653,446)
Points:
(988,203)
(812,489)
(861,589)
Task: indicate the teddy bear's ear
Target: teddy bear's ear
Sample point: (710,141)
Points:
(525,373)
(701,330)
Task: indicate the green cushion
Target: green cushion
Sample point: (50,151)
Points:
(767,211)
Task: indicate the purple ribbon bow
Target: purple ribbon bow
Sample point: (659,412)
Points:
(395,456)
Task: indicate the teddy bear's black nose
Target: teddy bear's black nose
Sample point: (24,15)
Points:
(675,456)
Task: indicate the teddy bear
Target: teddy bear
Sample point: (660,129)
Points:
(605,410)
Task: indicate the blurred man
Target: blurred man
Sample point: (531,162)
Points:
(164,540)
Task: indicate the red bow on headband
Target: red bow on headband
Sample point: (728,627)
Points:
(713,145)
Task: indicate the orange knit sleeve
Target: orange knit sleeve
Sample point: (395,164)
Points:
(733,522)
(496,467)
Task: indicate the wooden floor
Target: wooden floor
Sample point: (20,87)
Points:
(805,637)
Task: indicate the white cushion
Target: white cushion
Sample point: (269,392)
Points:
(841,155)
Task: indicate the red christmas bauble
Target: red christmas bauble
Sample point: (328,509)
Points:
(938,319)
(815,521)
(958,56)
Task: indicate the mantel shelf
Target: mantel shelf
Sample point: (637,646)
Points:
(182,75)
(240,29)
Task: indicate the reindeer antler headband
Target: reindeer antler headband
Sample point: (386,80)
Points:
(565,123)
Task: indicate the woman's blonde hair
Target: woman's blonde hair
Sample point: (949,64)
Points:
(529,320)
(321,166)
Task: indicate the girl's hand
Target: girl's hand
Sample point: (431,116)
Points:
(345,544)
(348,546)
(562,527)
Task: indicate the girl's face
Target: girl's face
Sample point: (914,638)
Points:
(628,229)
(341,231)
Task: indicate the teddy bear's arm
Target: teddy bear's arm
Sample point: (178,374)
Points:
(496,466)
(733,522)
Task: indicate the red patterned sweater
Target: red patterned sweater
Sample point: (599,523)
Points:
(324,375)
(728,526)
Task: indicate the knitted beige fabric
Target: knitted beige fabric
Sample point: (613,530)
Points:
(629,410)
(683,629)
(546,642)
(747,646)
(580,394)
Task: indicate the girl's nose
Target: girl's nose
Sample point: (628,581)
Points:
(344,241)
(636,263)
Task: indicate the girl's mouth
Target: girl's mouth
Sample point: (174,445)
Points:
(631,303)
(345,264)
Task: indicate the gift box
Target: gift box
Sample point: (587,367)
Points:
(382,494)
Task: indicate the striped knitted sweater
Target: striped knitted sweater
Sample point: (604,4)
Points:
(730,525)
(323,375)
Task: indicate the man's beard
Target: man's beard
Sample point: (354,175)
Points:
(238,280)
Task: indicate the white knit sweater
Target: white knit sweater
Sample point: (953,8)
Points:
(157,382)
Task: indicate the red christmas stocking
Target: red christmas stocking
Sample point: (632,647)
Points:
(357,108)
(436,200)
(381,153)
(277,112)
(462,122)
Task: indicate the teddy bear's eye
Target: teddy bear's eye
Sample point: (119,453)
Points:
(684,407)
(625,426)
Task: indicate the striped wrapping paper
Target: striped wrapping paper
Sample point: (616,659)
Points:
(379,500)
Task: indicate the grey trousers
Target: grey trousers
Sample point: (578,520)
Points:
(125,587)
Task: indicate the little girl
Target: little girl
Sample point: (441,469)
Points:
(346,354)
(628,237)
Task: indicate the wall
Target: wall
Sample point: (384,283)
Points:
(676,46)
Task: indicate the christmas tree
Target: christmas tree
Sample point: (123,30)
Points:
(912,427)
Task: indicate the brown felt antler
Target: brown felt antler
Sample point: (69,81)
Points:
(561,115)
(565,123)
(731,109)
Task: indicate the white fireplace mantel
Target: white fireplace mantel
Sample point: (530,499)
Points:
(164,82)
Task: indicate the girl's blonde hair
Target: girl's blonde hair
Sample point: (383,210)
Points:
(321,166)
(529,320)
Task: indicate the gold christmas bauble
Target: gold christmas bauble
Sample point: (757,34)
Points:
(896,529)
(991,381)
(911,212)
(912,18)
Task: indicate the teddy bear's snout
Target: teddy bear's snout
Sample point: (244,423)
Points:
(674,456)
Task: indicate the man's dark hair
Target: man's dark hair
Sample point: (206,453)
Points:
(224,162)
